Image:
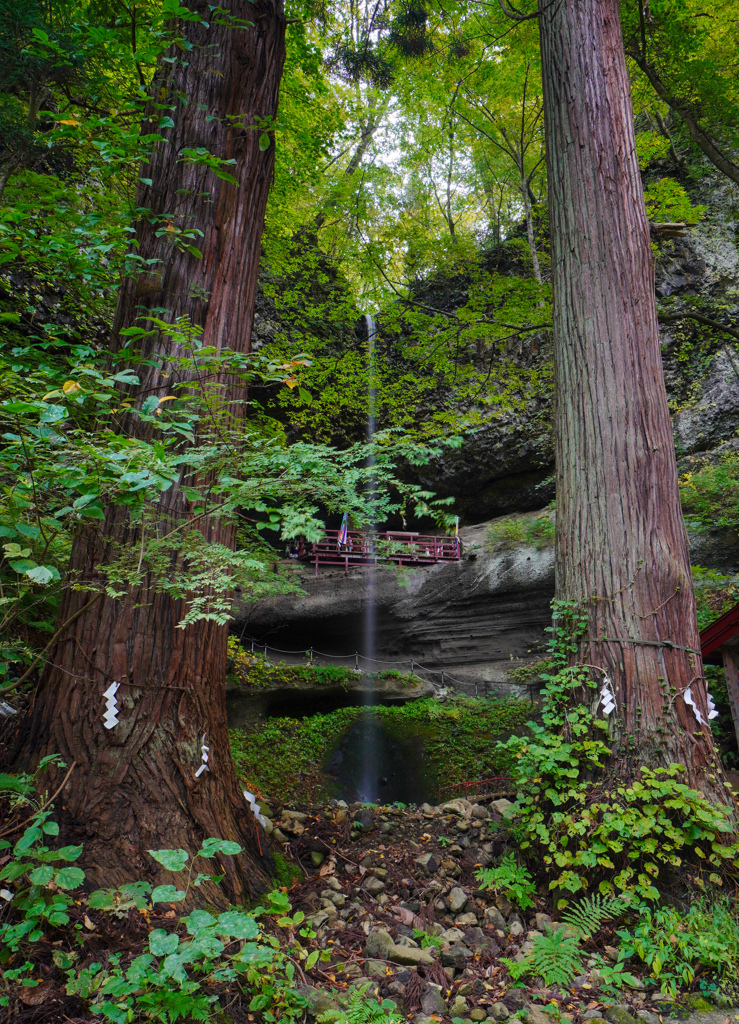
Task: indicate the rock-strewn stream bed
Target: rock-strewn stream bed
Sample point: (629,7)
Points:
(392,895)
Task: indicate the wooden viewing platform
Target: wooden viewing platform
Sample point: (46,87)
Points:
(392,546)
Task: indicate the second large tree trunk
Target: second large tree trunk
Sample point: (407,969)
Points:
(134,787)
(621,547)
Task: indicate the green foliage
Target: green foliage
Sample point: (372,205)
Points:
(509,878)
(668,201)
(359,1010)
(715,594)
(175,978)
(710,495)
(555,957)
(426,939)
(589,913)
(285,757)
(41,877)
(586,831)
(518,530)
(650,146)
(256,671)
(678,946)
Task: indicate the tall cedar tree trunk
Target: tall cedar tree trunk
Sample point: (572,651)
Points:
(621,547)
(134,787)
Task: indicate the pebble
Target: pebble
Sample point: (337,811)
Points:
(494,919)
(457,900)
(477,1013)
(432,1000)
(373,885)
(410,957)
(455,956)
(499,1011)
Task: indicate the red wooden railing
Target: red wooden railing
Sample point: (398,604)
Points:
(483,787)
(389,547)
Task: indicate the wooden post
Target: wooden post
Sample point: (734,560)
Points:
(731,670)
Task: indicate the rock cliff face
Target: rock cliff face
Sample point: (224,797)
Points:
(487,614)
(475,619)
(507,465)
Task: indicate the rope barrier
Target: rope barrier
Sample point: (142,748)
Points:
(311,652)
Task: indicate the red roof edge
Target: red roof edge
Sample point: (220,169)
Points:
(720,632)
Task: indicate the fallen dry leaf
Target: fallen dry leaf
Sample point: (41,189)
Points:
(39,994)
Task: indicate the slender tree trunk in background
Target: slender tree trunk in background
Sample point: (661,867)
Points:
(134,787)
(530,234)
(621,547)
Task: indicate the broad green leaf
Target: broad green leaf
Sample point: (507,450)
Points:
(237,924)
(211,847)
(172,860)
(198,920)
(161,943)
(42,875)
(167,894)
(67,853)
(69,878)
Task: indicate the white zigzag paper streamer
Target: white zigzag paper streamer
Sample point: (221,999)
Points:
(205,751)
(688,698)
(607,696)
(110,718)
(255,808)
(712,712)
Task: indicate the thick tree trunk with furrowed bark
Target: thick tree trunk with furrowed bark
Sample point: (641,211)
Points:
(621,547)
(134,787)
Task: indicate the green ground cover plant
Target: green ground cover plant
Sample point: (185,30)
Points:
(710,495)
(175,978)
(683,945)
(253,670)
(583,830)
(715,594)
(536,531)
(284,757)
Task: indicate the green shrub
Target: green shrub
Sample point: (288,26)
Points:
(517,530)
(710,495)
(585,830)
(555,958)
(509,878)
(715,594)
(677,947)
(667,200)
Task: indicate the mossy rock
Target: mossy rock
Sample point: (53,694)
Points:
(699,1004)
(619,1015)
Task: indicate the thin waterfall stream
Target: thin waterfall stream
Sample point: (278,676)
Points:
(369,734)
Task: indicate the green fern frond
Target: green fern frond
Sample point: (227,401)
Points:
(589,913)
(15,783)
(359,1010)
(555,957)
